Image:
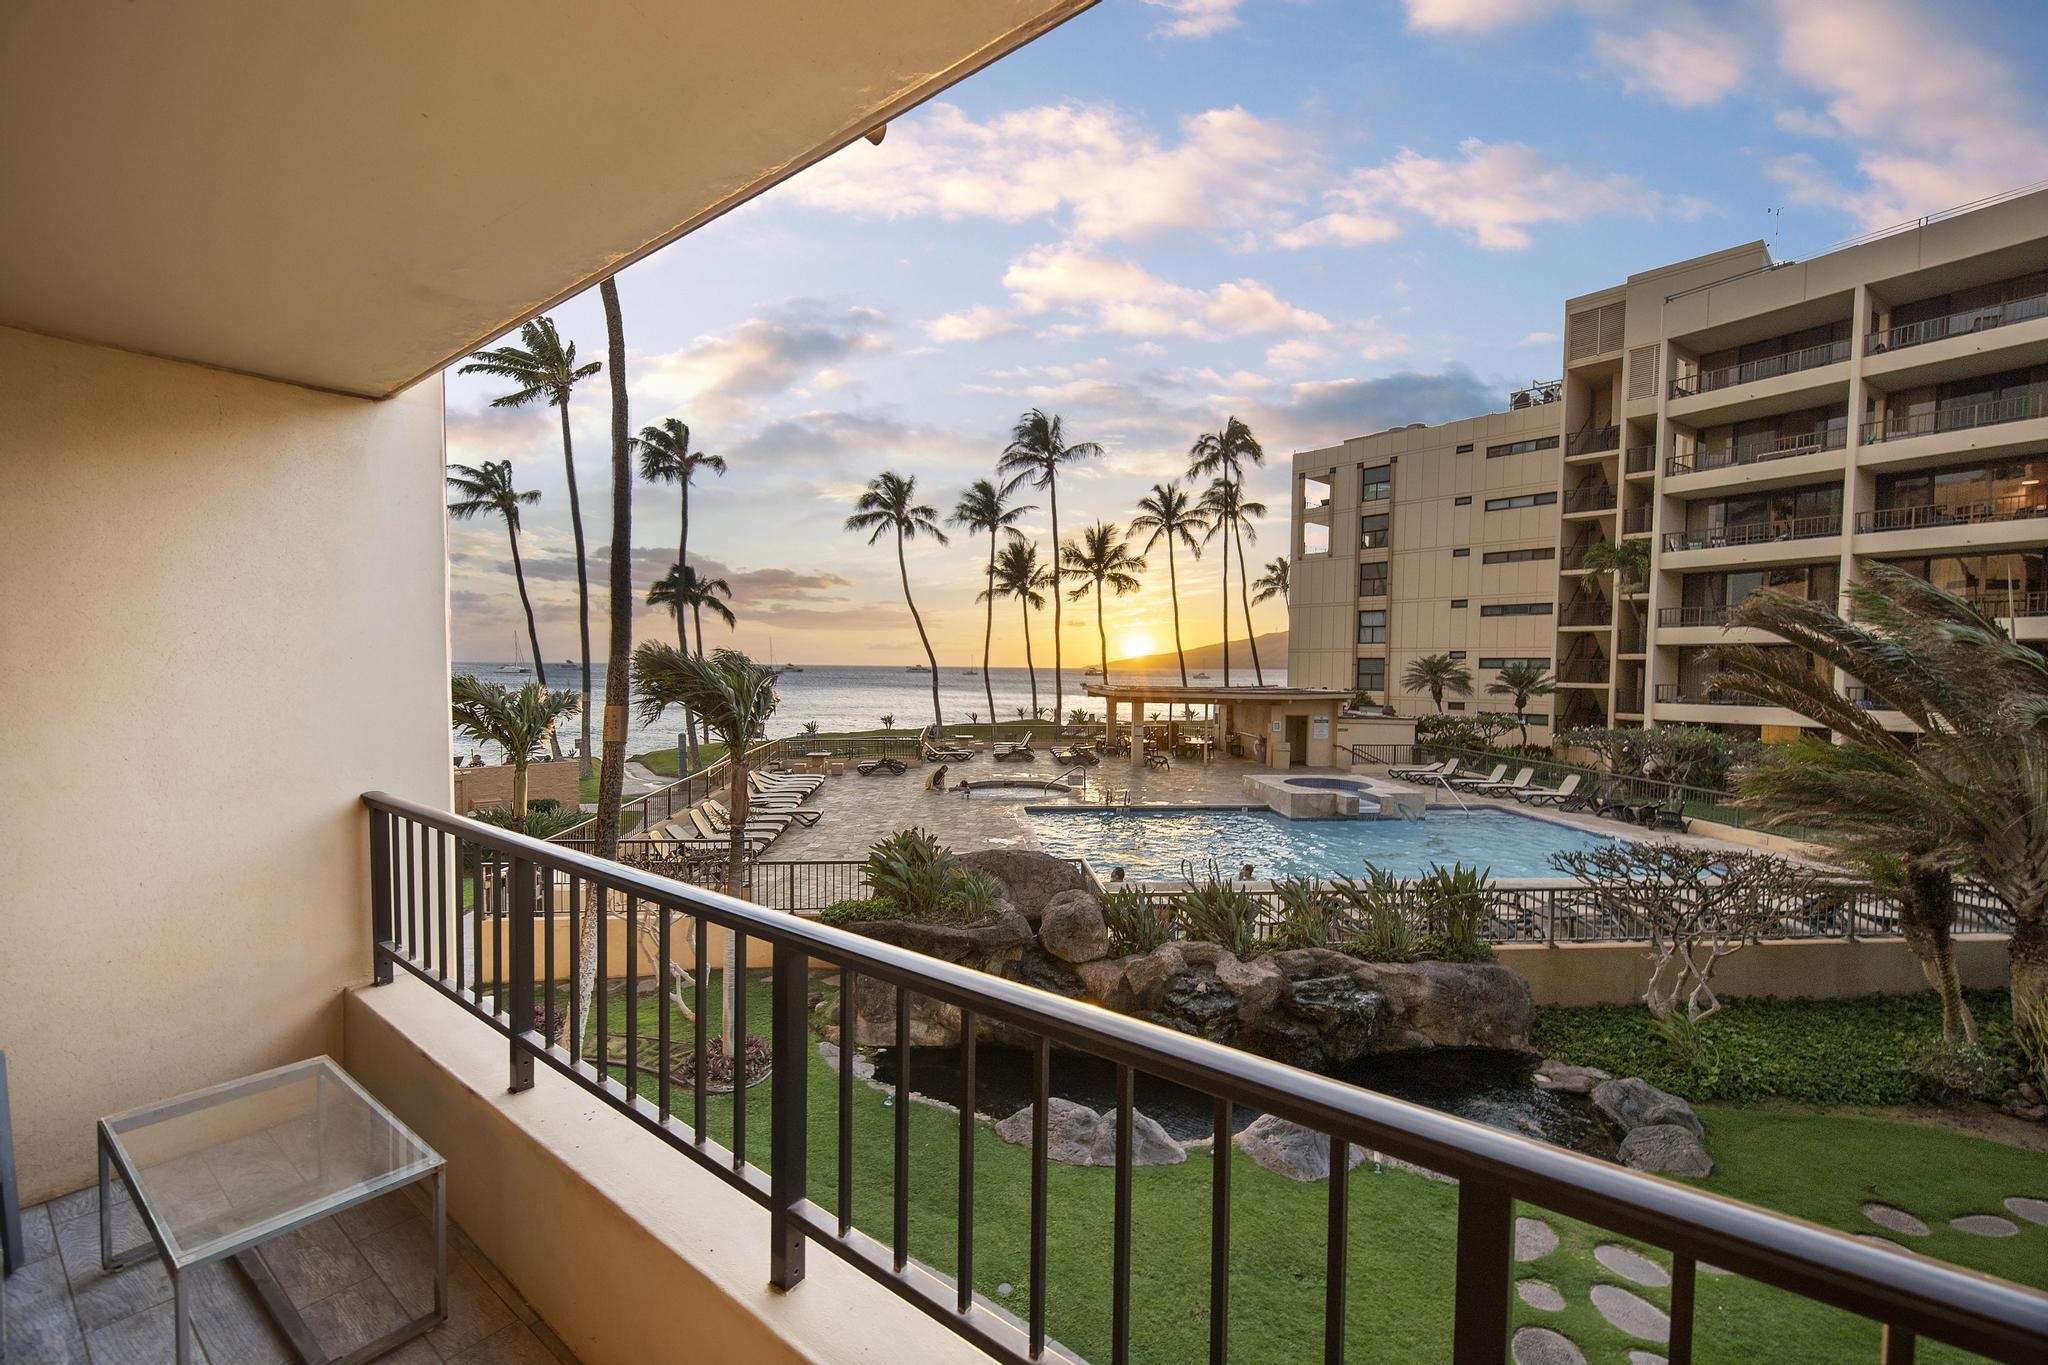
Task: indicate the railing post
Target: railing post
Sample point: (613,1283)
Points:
(380,896)
(788,1126)
(1485,1271)
(520,931)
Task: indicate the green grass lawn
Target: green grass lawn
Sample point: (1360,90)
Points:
(1402,1243)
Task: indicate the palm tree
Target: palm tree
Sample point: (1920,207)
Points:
(1038,447)
(985,507)
(1222,455)
(666,457)
(1627,560)
(889,503)
(1437,674)
(544,368)
(1520,683)
(1224,504)
(1166,514)
(1968,795)
(680,590)
(1019,574)
(517,722)
(734,696)
(1100,557)
(487,488)
(1272,583)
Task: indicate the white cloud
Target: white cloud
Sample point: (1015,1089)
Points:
(1113,295)
(1197,18)
(1473,16)
(1295,354)
(1540,339)
(1687,60)
(803,341)
(978,323)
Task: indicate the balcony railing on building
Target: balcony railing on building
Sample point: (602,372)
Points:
(2024,406)
(1597,498)
(1641,459)
(1669,617)
(1959,324)
(1591,440)
(2000,602)
(1635,521)
(1679,694)
(1586,671)
(1574,557)
(1743,450)
(1758,533)
(1918,516)
(1628,701)
(1770,367)
(1862,696)
(1591,613)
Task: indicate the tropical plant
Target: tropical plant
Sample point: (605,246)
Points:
(1451,905)
(1478,730)
(517,722)
(976,893)
(1077,716)
(1135,922)
(1627,560)
(888,721)
(1037,451)
(486,489)
(1221,456)
(1166,514)
(889,505)
(1219,911)
(913,870)
(544,819)
(1308,910)
(666,457)
(1377,910)
(544,370)
(987,507)
(810,727)
(734,696)
(1437,674)
(1100,558)
(681,589)
(1018,574)
(1622,751)
(1520,683)
(1273,582)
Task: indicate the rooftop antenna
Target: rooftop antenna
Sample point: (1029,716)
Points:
(1777,217)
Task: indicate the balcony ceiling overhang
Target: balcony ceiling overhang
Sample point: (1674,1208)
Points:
(351,196)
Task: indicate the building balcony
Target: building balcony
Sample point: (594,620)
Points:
(1592,441)
(1636,521)
(1628,702)
(1749,450)
(1967,323)
(1928,515)
(1759,533)
(1691,618)
(1750,371)
(1641,459)
(1587,616)
(1597,498)
(1584,672)
(2021,407)
(1699,694)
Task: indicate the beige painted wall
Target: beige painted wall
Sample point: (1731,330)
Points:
(1821,969)
(225,618)
(482,788)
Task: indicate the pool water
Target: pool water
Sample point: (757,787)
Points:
(1161,845)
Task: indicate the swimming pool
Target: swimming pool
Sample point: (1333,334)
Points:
(1154,845)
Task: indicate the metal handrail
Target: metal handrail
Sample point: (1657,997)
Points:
(2020,407)
(1759,449)
(1995,603)
(1792,528)
(1768,367)
(1958,324)
(1668,617)
(1592,439)
(1594,499)
(414,847)
(1641,459)
(1635,521)
(1589,614)
(2017,507)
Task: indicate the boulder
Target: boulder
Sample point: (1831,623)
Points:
(1078,1136)
(1072,928)
(1451,1004)
(1105,983)
(1667,1148)
(1321,1023)
(1196,1001)
(1290,1150)
(1031,878)
(1635,1103)
(1567,1079)
(1151,1145)
(1256,985)
(1145,976)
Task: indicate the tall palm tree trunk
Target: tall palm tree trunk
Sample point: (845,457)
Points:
(1226,611)
(1173,592)
(903,572)
(582,583)
(1102,638)
(736,804)
(1024,610)
(540,670)
(1059,688)
(682,636)
(988,637)
(1244,588)
(1926,919)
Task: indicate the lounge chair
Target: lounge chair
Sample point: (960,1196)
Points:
(1423,773)
(786,782)
(768,824)
(794,793)
(868,767)
(1466,781)
(1018,752)
(949,753)
(755,839)
(677,837)
(763,813)
(1550,796)
(1075,757)
(1521,783)
(1668,814)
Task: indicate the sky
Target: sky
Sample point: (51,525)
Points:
(1325,217)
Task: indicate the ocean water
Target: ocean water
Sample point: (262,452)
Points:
(846,697)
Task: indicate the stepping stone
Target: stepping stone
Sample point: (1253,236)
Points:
(1985,1225)
(1541,1346)
(1631,1266)
(1895,1220)
(2033,1210)
(1538,1294)
(1636,1316)
(1533,1239)
(1646,1358)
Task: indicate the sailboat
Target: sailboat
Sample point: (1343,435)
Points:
(518,664)
(786,668)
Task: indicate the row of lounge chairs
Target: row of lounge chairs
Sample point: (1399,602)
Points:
(775,802)
(1571,794)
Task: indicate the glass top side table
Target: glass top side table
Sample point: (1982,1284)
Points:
(217,1173)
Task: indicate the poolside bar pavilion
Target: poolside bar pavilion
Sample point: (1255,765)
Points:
(1279,726)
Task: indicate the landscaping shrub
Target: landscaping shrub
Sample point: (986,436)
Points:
(912,869)
(1307,912)
(1219,911)
(1871,1050)
(1378,909)
(1453,913)
(1135,924)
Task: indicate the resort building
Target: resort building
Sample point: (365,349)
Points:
(1756,423)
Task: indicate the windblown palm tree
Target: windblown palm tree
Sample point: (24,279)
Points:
(1224,504)
(889,504)
(1019,574)
(1038,448)
(1166,514)
(1437,674)
(1627,560)
(735,697)
(517,722)
(1273,582)
(1100,558)
(666,457)
(1222,456)
(1968,796)
(485,489)
(1521,683)
(987,507)
(544,369)
(680,590)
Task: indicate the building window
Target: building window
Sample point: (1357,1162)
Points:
(1462,552)
(1519,556)
(1372,675)
(1457,654)
(1372,579)
(1462,502)
(1454,705)
(1520,500)
(1503,663)
(1375,483)
(1372,627)
(1458,602)
(1465,449)
(1522,447)
(1372,532)
(1515,609)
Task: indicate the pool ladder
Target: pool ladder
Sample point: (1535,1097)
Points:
(1445,783)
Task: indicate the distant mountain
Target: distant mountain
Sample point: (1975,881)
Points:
(1272,654)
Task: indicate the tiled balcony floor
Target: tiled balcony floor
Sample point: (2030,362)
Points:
(354,1277)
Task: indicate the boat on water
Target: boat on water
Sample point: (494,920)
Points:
(1091,671)
(518,664)
(1201,675)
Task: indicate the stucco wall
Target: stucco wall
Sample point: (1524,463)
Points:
(224,618)
(1819,969)
(483,788)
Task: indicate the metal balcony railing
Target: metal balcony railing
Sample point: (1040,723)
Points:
(1679,695)
(441,886)
(1770,367)
(1592,439)
(2024,406)
(1641,459)
(1635,521)
(2014,507)
(1999,602)
(1668,617)
(1583,671)
(1629,702)
(1589,614)
(1574,558)
(1758,449)
(1759,533)
(1861,696)
(1598,498)
(1958,324)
